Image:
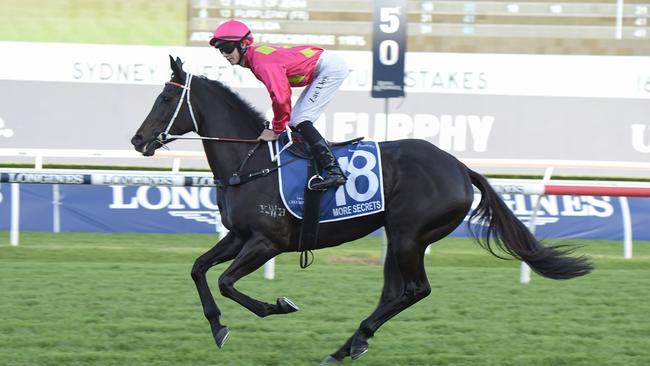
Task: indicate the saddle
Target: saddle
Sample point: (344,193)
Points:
(300,148)
(311,207)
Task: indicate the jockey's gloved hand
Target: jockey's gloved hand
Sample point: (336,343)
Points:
(267,135)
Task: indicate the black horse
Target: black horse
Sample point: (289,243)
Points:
(428,193)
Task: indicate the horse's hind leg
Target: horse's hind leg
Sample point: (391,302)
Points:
(225,250)
(405,278)
(405,283)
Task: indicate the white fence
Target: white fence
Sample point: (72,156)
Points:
(174,177)
(84,156)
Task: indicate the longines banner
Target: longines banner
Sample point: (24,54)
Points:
(194,210)
(471,105)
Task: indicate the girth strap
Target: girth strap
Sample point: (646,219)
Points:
(310,220)
(236,179)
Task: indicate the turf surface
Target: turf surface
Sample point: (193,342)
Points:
(124,299)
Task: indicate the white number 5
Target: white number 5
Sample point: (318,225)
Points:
(390,16)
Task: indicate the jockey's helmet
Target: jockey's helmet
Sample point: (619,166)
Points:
(231,31)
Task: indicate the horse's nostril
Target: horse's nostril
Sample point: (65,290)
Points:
(136,140)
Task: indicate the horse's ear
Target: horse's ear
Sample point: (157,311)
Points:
(177,67)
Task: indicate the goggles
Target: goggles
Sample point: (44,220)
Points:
(227,47)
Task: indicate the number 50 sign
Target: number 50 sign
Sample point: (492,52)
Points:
(388,47)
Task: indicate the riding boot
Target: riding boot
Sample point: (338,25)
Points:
(324,156)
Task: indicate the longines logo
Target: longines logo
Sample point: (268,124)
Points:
(188,203)
(5,132)
(554,209)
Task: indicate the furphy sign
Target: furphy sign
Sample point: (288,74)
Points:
(454,133)
(492,106)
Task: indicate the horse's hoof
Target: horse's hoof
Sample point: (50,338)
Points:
(221,336)
(358,351)
(329,360)
(287,305)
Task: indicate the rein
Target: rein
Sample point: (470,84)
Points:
(164,136)
(236,178)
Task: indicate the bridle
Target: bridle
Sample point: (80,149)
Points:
(163,137)
(236,178)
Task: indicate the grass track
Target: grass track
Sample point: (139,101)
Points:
(122,299)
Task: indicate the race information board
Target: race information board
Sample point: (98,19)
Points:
(552,27)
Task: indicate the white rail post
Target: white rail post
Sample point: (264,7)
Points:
(269,269)
(524,273)
(627,228)
(38,162)
(14,232)
(56,208)
(176,165)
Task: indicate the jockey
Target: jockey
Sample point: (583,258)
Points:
(280,68)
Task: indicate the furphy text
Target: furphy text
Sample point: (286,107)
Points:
(449,132)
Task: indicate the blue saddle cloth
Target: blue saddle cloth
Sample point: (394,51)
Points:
(363,194)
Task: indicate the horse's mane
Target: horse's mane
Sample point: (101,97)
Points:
(236,101)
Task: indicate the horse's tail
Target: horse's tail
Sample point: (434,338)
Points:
(497,222)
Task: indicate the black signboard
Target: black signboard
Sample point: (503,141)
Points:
(388,48)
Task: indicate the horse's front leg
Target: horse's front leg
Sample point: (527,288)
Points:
(256,251)
(225,250)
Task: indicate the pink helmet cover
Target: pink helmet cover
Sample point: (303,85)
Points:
(231,30)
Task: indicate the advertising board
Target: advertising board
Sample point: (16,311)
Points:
(167,209)
(471,105)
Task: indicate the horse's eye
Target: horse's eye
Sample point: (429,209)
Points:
(166,98)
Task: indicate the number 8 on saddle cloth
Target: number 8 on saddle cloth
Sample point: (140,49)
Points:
(362,195)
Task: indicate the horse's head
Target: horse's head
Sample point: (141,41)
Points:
(169,115)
